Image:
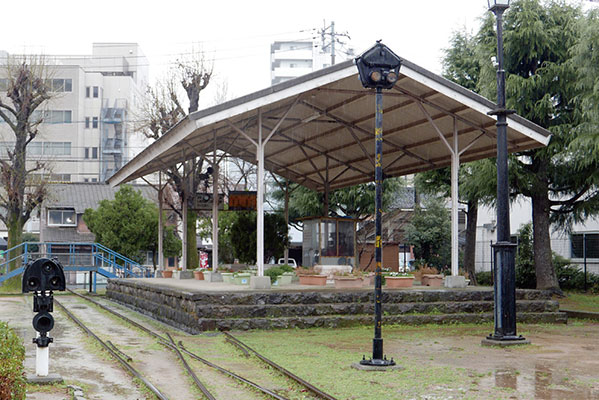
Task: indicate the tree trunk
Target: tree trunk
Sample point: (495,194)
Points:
(545,272)
(470,248)
(192,249)
(15,235)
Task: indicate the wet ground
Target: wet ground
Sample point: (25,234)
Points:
(561,363)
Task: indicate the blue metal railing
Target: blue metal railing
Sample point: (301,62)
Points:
(73,257)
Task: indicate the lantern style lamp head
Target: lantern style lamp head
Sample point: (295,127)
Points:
(498,5)
(378,67)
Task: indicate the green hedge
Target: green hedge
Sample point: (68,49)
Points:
(12,355)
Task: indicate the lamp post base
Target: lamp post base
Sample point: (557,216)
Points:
(504,341)
(374,362)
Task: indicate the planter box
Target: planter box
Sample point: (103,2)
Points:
(167,273)
(242,279)
(432,280)
(227,277)
(199,275)
(348,282)
(212,276)
(367,280)
(284,279)
(399,281)
(183,274)
(318,280)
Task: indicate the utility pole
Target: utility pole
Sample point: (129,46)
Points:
(329,37)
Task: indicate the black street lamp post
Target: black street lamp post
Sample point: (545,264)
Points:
(504,250)
(379,69)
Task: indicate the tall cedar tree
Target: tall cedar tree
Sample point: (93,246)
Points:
(25,92)
(542,87)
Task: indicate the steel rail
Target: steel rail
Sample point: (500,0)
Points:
(125,364)
(199,384)
(284,371)
(173,346)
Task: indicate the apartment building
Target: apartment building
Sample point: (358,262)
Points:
(290,59)
(87,131)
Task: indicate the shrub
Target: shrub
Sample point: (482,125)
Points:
(273,273)
(286,268)
(12,354)
(484,278)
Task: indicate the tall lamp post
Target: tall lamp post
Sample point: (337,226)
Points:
(504,250)
(379,69)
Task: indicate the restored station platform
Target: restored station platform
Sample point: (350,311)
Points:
(196,306)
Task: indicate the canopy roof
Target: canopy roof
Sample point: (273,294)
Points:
(324,129)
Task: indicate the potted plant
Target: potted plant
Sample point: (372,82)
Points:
(429,276)
(398,280)
(345,280)
(198,274)
(167,273)
(308,276)
(226,273)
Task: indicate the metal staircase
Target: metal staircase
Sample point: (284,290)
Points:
(83,257)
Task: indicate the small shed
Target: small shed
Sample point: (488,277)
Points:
(329,241)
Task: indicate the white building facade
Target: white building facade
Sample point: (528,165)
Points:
(290,59)
(87,131)
(580,245)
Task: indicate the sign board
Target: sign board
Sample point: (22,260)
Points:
(203,202)
(242,201)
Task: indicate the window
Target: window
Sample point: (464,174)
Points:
(64,217)
(86,153)
(585,244)
(94,179)
(53,116)
(87,91)
(60,85)
(96,92)
(49,148)
(85,180)
(86,122)
(5,147)
(3,84)
(95,122)
(95,153)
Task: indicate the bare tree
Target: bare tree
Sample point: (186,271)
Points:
(164,109)
(26,88)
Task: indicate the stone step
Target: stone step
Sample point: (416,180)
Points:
(289,310)
(339,321)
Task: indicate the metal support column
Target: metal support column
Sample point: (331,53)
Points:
(260,200)
(378,359)
(184,244)
(215,201)
(455,166)
(504,251)
(160,225)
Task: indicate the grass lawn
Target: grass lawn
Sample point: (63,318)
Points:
(439,361)
(580,302)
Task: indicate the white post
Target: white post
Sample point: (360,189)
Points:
(260,200)
(214,216)
(42,359)
(184,244)
(160,225)
(455,165)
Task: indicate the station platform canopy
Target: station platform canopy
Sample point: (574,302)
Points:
(318,129)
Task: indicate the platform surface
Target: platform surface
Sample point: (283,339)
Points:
(194,285)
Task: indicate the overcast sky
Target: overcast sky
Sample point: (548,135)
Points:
(236,34)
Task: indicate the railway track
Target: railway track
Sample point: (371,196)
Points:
(179,349)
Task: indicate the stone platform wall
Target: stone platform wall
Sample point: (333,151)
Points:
(196,312)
